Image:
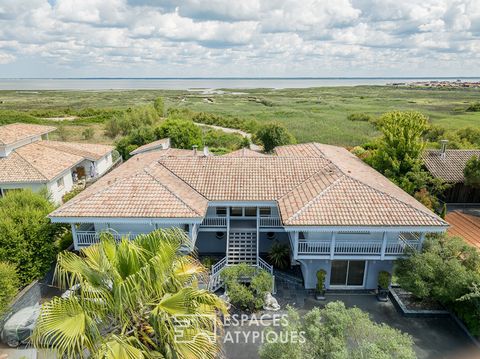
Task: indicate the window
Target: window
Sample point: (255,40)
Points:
(236,211)
(301,235)
(265,211)
(221,211)
(60,183)
(250,211)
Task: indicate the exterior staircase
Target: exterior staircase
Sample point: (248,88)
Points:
(241,248)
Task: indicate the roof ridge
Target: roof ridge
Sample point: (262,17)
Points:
(170,191)
(305,180)
(314,199)
(32,166)
(181,179)
(431,214)
(70,151)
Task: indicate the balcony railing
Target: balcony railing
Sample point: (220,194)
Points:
(270,222)
(356,247)
(87,238)
(214,222)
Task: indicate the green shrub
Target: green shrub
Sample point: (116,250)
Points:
(159,106)
(474,107)
(335,332)
(9,285)
(472,172)
(69,195)
(246,285)
(88,133)
(279,255)
(384,279)
(445,271)
(27,238)
(321,275)
(360,117)
(272,135)
(208,262)
(182,133)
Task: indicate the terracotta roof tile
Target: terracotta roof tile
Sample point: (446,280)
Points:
(12,133)
(245,152)
(35,163)
(450,168)
(313,184)
(89,151)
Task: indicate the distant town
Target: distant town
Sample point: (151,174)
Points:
(436,83)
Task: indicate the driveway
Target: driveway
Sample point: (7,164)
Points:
(434,338)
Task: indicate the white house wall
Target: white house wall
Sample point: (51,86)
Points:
(57,192)
(103,164)
(5,150)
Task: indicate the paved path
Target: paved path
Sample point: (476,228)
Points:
(253,146)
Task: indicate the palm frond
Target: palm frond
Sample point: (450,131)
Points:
(66,326)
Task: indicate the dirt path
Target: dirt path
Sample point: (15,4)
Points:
(253,146)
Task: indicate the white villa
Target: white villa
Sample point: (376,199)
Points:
(29,160)
(334,211)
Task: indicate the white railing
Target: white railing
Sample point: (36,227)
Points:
(264,265)
(314,247)
(270,222)
(87,238)
(215,281)
(356,247)
(214,222)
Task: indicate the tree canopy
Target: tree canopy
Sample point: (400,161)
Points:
(337,332)
(472,172)
(400,148)
(445,270)
(132,300)
(182,133)
(27,237)
(272,135)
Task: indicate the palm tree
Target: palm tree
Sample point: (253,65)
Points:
(127,302)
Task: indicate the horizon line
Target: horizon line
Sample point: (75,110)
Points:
(248,78)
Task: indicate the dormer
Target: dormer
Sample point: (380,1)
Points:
(16,135)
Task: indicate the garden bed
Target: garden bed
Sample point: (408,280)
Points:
(410,306)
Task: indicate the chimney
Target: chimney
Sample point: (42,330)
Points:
(206,152)
(443,150)
(194,150)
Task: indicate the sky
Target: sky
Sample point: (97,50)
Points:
(239,38)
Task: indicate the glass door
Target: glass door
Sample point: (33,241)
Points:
(347,273)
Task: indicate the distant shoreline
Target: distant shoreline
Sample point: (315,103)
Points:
(191,83)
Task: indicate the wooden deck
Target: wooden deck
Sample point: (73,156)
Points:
(466,226)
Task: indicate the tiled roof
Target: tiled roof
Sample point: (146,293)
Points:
(139,188)
(161,144)
(35,163)
(466,226)
(245,152)
(313,184)
(449,168)
(90,151)
(15,132)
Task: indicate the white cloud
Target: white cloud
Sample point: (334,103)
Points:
(240,38)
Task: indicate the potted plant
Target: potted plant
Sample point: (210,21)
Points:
(320,290)
(383,284)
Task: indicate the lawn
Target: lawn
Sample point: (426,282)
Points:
(311,114)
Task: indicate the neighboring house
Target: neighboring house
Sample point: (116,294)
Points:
(29,160)
(162,144)
(448,165)
(335,212)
